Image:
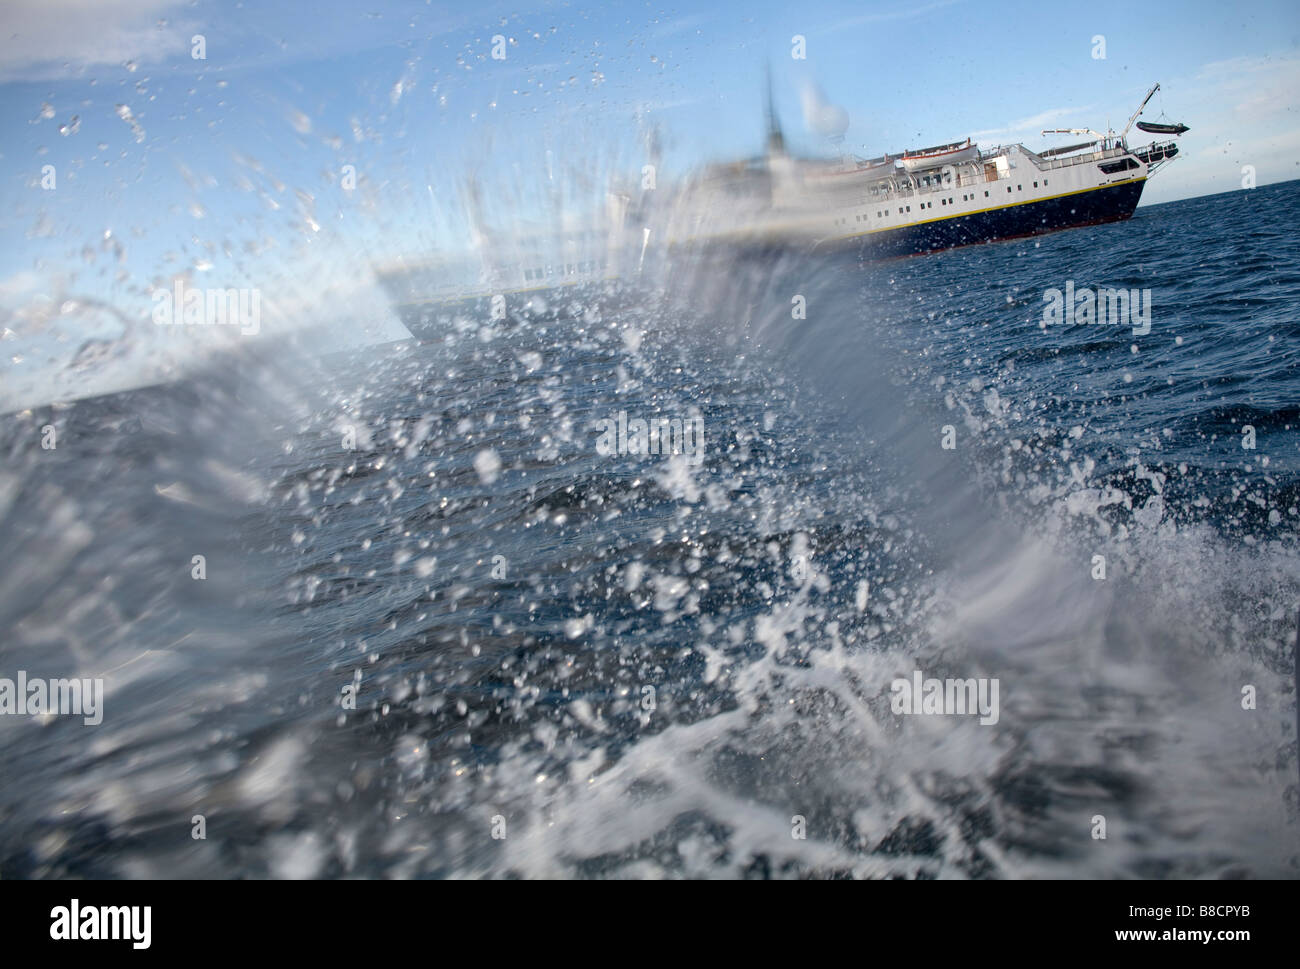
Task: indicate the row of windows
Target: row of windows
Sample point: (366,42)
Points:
(569,269)
(948,201)
(1021,188)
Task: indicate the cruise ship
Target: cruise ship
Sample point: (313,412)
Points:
(915,202)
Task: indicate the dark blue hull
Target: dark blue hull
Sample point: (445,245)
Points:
(1111,204)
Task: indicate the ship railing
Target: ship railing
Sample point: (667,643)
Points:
(1049,164)
(1101,154)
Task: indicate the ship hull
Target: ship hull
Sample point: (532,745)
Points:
(1112,203)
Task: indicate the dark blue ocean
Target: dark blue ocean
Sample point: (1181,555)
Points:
(441,631)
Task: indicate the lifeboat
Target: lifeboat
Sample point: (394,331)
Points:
(1155,128)
(937,157)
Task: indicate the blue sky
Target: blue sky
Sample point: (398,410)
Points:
(227,170)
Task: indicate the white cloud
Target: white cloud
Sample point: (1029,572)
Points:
(1035,123)
(1241,112)
(679,25)
(1259,88)
(52,39)
(888,16)
(19,284)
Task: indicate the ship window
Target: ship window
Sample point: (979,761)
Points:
(1044,183)
(986,193)
(1035,185)
(1008,189)
(909,208)
(1123,165)
(1020,188)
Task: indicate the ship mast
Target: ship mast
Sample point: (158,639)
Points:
(775,140)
